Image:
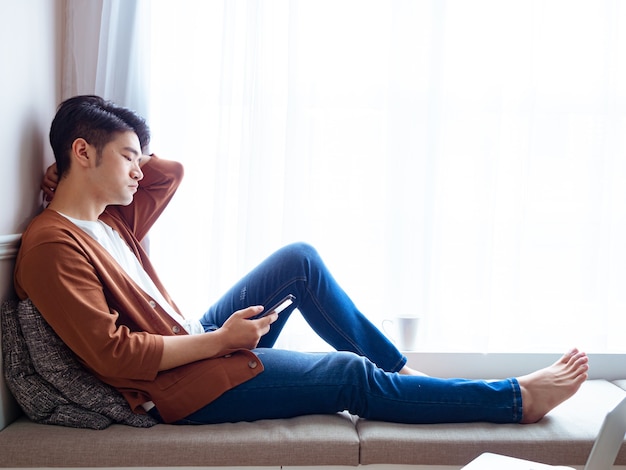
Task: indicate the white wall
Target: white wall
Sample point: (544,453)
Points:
(30,35)
(29,83)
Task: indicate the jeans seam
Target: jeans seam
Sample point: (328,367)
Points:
(518,410)
(334,325)
(287,284)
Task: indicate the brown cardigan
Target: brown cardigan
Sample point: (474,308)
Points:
(112,325)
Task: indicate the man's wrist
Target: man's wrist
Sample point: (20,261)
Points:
(145,158)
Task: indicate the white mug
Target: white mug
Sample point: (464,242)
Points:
(404,332)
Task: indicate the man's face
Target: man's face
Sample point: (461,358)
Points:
(117,173)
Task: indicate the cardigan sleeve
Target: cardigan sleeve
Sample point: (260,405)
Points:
(161,179)
(64,284)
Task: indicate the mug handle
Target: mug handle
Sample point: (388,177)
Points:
(388,333)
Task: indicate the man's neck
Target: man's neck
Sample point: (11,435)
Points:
(74,204)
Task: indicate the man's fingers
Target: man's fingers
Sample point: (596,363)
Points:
(249,312)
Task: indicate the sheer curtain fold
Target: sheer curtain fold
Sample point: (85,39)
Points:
(460,161)
(102,51)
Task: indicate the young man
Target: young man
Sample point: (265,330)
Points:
(82,265)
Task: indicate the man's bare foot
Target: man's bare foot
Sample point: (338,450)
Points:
(546,388)
(406,370)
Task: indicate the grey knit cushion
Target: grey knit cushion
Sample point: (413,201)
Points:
(47,380)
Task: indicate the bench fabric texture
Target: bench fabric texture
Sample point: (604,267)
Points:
(48,381)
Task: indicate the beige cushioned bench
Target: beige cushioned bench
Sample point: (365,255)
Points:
(565,436)
(46,377)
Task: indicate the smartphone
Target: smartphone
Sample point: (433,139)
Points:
(279,307)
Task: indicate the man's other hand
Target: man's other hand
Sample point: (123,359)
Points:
(49,182)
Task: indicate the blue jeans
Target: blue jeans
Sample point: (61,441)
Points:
(360,377)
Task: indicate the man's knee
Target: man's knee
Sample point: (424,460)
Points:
(299,254)
(301,250)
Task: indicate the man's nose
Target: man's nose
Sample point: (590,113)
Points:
(137,174)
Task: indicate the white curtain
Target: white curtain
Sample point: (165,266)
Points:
(460,161)
(103,51)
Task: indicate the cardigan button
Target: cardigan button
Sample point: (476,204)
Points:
(253,364)
(153,304)
(176,329)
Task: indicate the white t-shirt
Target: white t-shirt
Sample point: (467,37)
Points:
(119,250)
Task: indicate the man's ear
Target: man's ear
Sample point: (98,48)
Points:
(82,152)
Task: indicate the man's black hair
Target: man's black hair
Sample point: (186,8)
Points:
(95,120)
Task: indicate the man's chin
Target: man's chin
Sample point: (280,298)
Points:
(124,203)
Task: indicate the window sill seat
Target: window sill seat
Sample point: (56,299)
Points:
(564,437)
